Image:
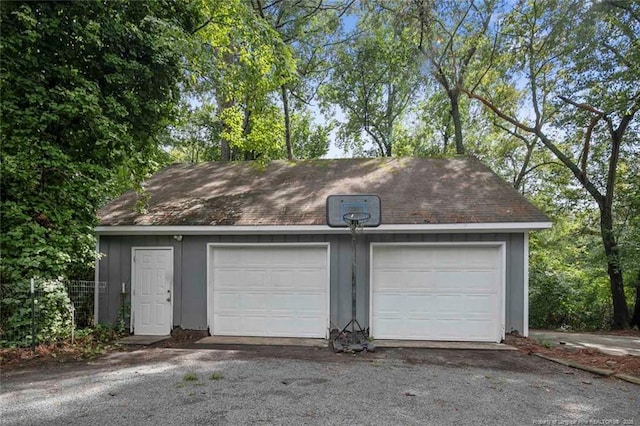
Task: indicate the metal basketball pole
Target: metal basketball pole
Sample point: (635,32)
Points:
(354,220)
(352,210)
(353,279)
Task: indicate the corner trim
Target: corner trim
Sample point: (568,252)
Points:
(96,283)
(525,308)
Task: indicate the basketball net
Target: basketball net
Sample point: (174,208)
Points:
(356,221)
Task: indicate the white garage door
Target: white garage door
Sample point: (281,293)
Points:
(268,290)
(430,292)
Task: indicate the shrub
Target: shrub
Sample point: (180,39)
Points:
(52,313)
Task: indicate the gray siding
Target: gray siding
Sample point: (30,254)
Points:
(190,274)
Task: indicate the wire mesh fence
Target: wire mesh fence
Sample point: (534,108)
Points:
(44,311)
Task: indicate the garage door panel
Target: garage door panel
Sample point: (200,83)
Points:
(309,303)
(464,281)
(424,260)
(229,321)
(306,279)
(448,258)
(305,258)
(421,281)
(278,259)
(253,278)
(227,301)
(462,329)
(389,258)
(229,258)
(254,301)
(295,303)
(416,280)
(436,293)
(449,304)
(278,291)
(389,303)
(281,279)
(420,305)
(387,280)
(480,304)
(226,278)
(251,324)
(473,257)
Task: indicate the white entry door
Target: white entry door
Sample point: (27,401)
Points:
(437,292)
(269,290)
(152,291)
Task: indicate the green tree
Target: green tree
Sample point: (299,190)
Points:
(374,80)
(238,64)
(453,37)
(581,65)
(310,28)
(310,140)
(628,226)
(194,136)
(86,86)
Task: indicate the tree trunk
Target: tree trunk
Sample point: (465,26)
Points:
(518,182)
(635,319)
(457,124)
(620,309)
(225,149)
(287,122)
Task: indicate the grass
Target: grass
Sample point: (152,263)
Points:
(216,375)
(193,379)
(190,377)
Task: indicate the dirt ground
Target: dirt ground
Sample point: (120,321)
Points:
(65,353)
(627,364)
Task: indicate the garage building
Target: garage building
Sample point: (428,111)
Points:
(242,249)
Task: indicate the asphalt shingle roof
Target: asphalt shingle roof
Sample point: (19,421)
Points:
(412,191)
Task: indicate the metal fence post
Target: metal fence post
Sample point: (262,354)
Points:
(33,316)
(96,289)
(73,323)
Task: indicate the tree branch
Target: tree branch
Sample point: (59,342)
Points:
(582,178)
(581,106)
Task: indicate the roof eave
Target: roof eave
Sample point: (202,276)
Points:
(319,229)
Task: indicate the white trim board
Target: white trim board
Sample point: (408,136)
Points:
(320,229)
(209,274)
(525,307)
(96,284)
(501,245)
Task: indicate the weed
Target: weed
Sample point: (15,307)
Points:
(89,343)
(216,375)
(190,377)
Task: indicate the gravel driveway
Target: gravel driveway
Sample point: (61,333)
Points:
(314,386)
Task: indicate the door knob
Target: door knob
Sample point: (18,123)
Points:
(169,298)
